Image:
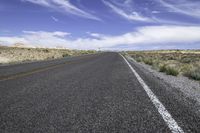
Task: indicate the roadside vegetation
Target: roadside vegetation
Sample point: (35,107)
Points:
(171,62)
(16,55)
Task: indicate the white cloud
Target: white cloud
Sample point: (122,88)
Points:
(151,36)
(186,7)
(96,35)
(128,1)
(54,19)
(40,2)
(155,12)
(172,22)
(64,6)
(47,34)
(12,40)
(133,16)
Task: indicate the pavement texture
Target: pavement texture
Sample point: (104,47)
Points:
(92,93)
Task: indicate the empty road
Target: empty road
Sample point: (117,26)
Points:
(102,92)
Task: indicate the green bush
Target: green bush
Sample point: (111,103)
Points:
(148,61)
(193,74)
(66,55)
(139,59)
(163,68)
(156,65)
(45,50)
(186,60)
(169,70)
(172,71)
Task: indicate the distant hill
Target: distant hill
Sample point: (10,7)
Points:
(21,45)
(60,47)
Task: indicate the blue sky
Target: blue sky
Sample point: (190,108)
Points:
(105,24)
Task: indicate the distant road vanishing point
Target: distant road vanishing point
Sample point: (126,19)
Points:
(104,92)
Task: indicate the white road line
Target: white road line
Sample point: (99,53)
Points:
(172,124)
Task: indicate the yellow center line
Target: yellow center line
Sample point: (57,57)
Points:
(23,74)
(37,70)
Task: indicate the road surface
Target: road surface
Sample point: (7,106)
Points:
(91,93)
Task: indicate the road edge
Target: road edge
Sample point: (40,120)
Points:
(167,117)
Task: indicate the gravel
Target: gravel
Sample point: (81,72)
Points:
(190,88)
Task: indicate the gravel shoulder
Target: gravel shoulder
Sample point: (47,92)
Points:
(189,88)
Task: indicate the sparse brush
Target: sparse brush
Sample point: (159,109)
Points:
(139,59)
(163,68)
(172,62)
(46,50)
(193,74)
(148,61)
(172,71)
(186,68)
(169,70)
(156,65)
(186,60)
(66,55)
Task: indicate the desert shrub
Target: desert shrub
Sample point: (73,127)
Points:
(85,52)
(91,51)
(186,60)
(156,65)
(139,59)
(169,70)
(170,58)
(46,50)
(193,74)
(163,68)
(172,71)
(65,55)
(148,61)
(50,57)
(186,68)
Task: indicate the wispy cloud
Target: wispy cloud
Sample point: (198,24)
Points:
(96,35)
(44,34)
(159,20)
(64,6)
(186,7)
(133,16)
(149,36)
(54,19)
(7,40)
(155,11)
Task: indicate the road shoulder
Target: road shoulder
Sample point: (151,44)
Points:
(184,109)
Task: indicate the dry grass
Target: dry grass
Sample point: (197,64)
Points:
(15,55)
(193,73)
(174,62)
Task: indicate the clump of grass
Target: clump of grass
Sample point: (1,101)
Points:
(169,70)
(66,55)
(148,61)
(163,68)
(45,50)
(193,74)
(87,52)
(186,60)
(139,59)
(172,71)
(156,65)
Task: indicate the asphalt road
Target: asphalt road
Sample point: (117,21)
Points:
(92,93)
